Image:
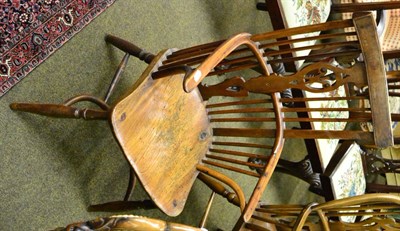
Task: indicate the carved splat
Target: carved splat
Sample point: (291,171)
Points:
(230,87)
(318,77)
(378,165)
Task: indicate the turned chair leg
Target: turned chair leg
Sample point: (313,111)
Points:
(60,111)
(66,110)
(130,48)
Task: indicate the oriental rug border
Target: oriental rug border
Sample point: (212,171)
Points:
(32,30)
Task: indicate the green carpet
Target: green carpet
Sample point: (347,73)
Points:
(52,169)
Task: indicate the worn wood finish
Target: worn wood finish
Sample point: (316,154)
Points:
(379,211)
(157,148)
(66,110)
(218,188)
(218,55)
(128,222)
(130,48)
(60,111)
(376,75)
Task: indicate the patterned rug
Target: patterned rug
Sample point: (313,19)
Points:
(31,30)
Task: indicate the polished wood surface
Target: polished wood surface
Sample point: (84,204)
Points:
(164,133)
(365,212)
(128,222)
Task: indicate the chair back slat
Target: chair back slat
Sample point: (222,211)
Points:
(244,132)
(234,161)
(240,144)
(231,168)
(238,154)
(329,46)
(303,30)
(196,48)
(305,39)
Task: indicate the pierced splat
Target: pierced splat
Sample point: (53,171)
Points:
(318,77)
(230,87)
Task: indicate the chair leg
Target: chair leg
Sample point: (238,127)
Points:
(130,48)
(117,77)
(262,6)
(59,110)
(131,184)
(207,211)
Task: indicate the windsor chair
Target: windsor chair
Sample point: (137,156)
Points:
(377,211)
(127,222)
(202,112)
(365,212)
(287,14)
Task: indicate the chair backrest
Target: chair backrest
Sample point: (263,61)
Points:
(362,71)
(245,110)
(365,212)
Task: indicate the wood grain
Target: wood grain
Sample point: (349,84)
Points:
(164,132)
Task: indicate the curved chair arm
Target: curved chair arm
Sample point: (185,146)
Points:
(361,199)
(221,177)
(302,218)
(193,79)
(219,189)
(273,160)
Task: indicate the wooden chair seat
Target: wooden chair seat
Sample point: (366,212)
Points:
(165,152)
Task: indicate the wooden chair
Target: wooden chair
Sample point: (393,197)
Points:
(127,222)
(370,211)
(365,212)
(281,12)
(193,115)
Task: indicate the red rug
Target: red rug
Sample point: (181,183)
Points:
(31,30)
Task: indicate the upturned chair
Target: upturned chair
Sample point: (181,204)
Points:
(365,212)
(192,114)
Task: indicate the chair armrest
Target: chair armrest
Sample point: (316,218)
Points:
(193,79)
